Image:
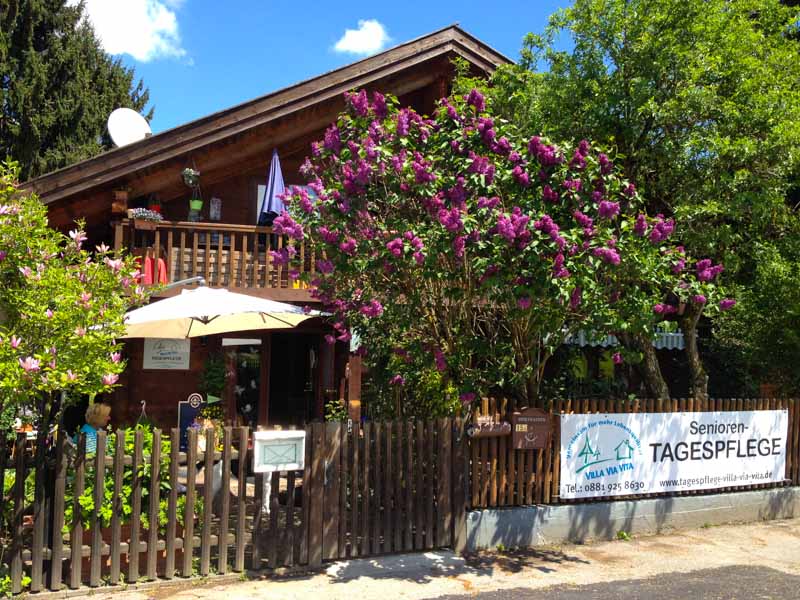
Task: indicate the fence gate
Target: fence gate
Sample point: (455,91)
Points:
(370,489)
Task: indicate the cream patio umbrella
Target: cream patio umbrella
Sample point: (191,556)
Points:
(206,311)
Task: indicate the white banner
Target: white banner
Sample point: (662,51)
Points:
(646,453)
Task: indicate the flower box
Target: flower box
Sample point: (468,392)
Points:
(145,225)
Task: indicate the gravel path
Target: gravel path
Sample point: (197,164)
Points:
(737,556)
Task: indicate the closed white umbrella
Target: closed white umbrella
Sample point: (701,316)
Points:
(206,311)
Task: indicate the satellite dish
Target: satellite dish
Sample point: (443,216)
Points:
(126,126)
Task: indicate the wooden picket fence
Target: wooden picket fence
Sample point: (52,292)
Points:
(365,490)
(502,476)
(55,554)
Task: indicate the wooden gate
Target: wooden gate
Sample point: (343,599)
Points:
(370,489)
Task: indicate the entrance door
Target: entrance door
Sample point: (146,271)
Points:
(294,366)
(244,359)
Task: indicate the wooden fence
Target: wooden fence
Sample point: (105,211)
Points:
(116,538)
(88,518)
(502,476)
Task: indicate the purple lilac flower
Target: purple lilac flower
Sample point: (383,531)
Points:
(403,122)
(606,165)
(727,304)
(358,102)
(524,303)
(459,244)
(489,203)
(467,398)
(617,358)
(395,247)
(348,246)
(521,176)
(438,358)
(372,309)
(578,162)
(575,298)
(582,219)
(662,229)
(549,194)
(679,266)
(324,266)
(630,190)
(397,380)
(608,210)
(332,141)
(640,227)
(583,148)
(573,185)
(607,255)
(475,98)
(285,225)
(379,105)
(699,299)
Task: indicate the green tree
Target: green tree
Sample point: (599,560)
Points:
(57,86)
(700,99)
(62,309)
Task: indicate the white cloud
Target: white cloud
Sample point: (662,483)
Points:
(369,38)
(145,29)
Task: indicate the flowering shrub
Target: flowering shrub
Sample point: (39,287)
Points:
(63,308)
(458,244)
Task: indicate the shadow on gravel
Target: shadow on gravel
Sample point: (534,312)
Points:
(425,567)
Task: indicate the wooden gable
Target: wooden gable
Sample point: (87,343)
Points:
(232,147)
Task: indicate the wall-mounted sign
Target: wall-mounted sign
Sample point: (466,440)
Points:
(166,354)
(485,426)
(531,429)
(278,450)
(645,453)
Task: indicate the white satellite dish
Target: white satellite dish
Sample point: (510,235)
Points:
(126,126)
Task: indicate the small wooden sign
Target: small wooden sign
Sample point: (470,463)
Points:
(531,429)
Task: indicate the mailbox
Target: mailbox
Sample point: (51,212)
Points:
(278,451)
(531,429)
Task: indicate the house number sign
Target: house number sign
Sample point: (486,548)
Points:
(531,429)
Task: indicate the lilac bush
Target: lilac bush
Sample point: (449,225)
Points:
(460,246)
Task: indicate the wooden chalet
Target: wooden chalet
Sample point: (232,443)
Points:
(282,377)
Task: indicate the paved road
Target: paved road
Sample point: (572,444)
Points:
(728,583)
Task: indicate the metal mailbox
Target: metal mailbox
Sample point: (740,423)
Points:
(278,451)
(531,429)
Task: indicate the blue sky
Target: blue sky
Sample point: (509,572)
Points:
(201,56)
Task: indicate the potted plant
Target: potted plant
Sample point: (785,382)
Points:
(144,218)
(191,178)
(212,380)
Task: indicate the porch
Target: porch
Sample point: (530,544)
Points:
(227,255)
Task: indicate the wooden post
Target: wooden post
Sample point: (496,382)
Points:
(136,509)
(59,492)
(99,498)
(19,507)
(316,479)
(76,533)
(172,506)
(116,505)
(155,500)
(354,389)
(241,517)
(225,491)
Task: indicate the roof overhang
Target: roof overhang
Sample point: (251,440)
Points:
(116,165)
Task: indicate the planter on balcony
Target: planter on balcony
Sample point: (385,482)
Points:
(145,225)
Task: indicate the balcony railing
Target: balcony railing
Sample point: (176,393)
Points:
(226,255)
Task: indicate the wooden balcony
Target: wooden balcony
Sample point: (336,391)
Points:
(232,256)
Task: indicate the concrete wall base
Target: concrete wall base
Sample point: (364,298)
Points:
(544,525)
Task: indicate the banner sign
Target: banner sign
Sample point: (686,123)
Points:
(647,453)
(166,354)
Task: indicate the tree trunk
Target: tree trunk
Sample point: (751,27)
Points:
(648,368)
(698,379)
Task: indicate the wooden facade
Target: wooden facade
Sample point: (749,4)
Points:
(232,149)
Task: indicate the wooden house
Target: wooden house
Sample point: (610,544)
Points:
(276,377)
